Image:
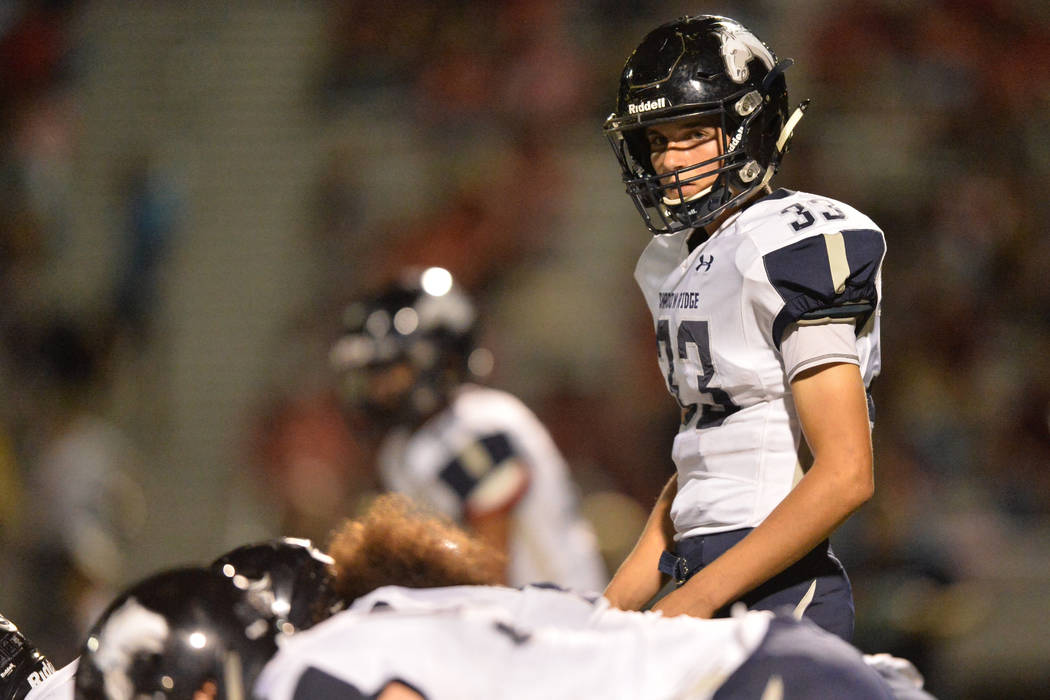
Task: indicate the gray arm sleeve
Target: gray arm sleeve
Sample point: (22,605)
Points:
(811,345)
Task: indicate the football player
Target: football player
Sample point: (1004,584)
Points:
(479,652)
(274,588)
(195,634)
(765,305)
(400,557)
(191,633)
(409,362)
(202,633)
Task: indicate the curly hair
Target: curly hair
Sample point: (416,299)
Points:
(397,542)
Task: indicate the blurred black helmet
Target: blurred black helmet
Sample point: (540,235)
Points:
(296,574)
(22,666)
(714,70)
(422,322)
(173,634)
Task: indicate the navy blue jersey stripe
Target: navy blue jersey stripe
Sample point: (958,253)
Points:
(497,448)
(801,274)
(864,251)
(315,684)
(458,478)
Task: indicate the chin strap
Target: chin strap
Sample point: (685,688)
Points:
(782,141)
(671,201)
(232,670)
(789,125)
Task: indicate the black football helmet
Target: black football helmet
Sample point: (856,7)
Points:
(714,70)
(22,666)
(296,575)
(173,634)
(422,321)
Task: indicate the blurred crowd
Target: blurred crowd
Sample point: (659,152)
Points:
(931,117)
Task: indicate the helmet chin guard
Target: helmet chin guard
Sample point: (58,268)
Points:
(712,70)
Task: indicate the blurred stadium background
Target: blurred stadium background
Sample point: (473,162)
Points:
(190,191)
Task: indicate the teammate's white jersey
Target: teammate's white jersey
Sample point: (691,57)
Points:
(530,606)
(481,652)
(720,313)
(484,452)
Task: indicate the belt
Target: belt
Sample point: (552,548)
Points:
(674,566)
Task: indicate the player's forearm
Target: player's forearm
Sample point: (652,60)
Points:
(494,530)
(638,579)
(821,501)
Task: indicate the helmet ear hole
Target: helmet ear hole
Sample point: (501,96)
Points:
(638,147)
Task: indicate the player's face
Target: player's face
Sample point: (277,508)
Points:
(207,691)
(682,144)
(387,385)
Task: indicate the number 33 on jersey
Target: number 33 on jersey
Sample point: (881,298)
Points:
(721,310)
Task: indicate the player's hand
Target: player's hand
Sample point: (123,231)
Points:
(685,601)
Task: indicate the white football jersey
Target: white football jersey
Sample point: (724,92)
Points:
(481,652)
(483,452)
(531,606)
(720,312)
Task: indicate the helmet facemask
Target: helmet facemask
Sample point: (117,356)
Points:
(660,197)
(680,73)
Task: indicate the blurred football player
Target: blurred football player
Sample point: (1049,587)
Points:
(408,361)
(189,633)
(259,590)
(401,557)
(478,652)
(426,619)
(765,305)
(201,633)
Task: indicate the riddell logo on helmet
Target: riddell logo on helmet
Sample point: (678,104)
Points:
(46,670)
(647,106)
